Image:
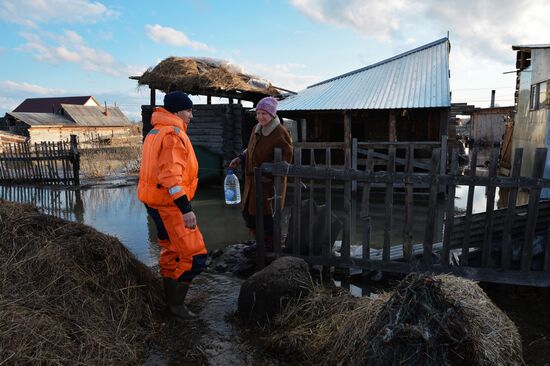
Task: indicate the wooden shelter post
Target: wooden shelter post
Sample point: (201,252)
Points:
(347,139)
(392,133)
(444,133)
(153,101)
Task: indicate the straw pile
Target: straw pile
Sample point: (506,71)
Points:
(441,320)
(69,294)
(202,74)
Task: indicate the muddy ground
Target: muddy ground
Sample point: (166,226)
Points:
(217,338)
(529,308)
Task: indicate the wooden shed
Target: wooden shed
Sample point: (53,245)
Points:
(89,123)
(7,138)
(218,131)
(488,124)
(403,99)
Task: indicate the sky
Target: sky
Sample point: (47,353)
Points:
(78,47)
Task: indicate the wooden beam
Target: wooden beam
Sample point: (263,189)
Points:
(153,100)
(392,132)
(347,138)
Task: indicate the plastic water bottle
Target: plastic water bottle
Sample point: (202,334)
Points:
(232,188)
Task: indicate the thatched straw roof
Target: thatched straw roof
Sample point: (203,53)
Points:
(205,76)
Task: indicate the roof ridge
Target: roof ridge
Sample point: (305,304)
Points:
(393,58)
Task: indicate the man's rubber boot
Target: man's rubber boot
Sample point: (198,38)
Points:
(175,297)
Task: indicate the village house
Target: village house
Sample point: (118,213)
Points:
(532,119)
(405,98)
(55,119)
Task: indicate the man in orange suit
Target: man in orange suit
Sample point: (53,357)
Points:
(168,179)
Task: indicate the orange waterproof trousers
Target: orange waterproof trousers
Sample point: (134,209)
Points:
(183,253)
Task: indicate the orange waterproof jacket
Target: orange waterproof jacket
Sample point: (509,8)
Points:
(169,167)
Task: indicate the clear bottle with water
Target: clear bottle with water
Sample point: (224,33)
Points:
(232,188)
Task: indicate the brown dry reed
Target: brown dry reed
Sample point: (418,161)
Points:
(196,74)
(70,295)
(108,161)
(425,320)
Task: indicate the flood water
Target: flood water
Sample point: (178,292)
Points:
(113,208)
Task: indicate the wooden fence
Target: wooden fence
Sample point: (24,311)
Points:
(356,156)
(510,259)
(43,163)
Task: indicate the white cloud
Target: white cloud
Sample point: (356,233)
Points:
(173,37)
(483,28)
(28,88)
(481,34)
(373,18)
(33,12)
(289,76)
(71,47)
(7,104)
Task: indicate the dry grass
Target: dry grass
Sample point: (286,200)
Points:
(441,320)
(187,73)
(71,295)
(106,161)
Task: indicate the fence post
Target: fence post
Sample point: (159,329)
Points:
(277,209)
(260,244)
(75,160)
(434,187)
(534,200)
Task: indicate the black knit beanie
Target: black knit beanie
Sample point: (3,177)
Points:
(177,101)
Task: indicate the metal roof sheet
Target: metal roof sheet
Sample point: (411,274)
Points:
(415,79)
(95,116)
(51,105)
(530,46)
(75,115)
(42,119)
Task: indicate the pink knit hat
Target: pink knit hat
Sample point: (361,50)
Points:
(268,104)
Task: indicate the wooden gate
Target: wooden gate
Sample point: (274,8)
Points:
(44,163)
(508,260)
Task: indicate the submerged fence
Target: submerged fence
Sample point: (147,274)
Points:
(505,246)
(43,163)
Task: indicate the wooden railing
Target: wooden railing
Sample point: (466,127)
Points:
(44,163)
(462,236)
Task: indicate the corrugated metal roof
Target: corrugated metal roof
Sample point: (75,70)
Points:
(51,105)
(530,46)
(94,116)
(75,115)
(415,79)
(42,119)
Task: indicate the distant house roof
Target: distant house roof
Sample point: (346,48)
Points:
(75,115)
(52,105)
(41,119)
(530,46)
(415,79)
(95,116)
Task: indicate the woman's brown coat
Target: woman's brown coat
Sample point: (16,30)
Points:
(261,149)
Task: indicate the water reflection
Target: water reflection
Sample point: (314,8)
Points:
(115,210)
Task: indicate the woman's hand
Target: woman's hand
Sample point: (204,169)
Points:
(235,163)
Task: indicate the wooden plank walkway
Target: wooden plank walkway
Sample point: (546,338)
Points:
(396,251)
